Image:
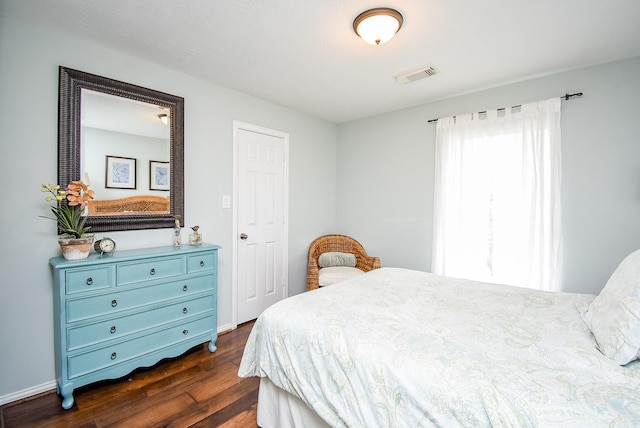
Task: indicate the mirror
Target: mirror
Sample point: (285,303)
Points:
(111,134)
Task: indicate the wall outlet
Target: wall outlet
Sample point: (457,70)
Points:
(226,202)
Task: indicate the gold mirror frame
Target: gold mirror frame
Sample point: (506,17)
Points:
(69,145)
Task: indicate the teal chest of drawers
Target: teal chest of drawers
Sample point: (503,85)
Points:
(115,313)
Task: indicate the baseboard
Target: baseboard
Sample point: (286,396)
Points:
(224,328)
(26,393)
(49,386)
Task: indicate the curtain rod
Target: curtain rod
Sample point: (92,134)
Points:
(565,96)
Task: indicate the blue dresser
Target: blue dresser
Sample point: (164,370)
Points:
(115,313)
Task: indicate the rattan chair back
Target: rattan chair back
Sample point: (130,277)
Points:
(340,243)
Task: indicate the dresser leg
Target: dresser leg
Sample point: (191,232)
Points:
(212,343)
(66,391)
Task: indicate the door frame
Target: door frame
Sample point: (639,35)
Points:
(237,126)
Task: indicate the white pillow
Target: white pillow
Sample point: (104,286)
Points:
(334,274)
(614,316)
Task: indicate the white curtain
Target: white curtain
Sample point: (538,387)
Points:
(497,210)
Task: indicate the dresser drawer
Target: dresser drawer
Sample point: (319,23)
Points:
(82,280)
(112,303)
(202,262)
(158,268)
(111,329)
(105,357)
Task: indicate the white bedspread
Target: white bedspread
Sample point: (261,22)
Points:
(396,348)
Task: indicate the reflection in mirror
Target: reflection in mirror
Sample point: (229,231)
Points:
(124,154)
(112,134)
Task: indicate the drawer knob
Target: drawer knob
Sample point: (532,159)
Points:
(185,287)
(185,310)
(89,281)
(185,331)
(112,329)
(201,262)
(114,303)
(113,355)
(152,271)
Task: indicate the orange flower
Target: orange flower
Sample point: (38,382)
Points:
(78,194)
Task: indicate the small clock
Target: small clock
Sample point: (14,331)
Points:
(105,246)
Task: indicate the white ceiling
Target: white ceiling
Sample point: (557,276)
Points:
(124,115)
(303,54)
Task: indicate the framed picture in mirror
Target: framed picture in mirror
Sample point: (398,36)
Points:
(120,173)
(159,173)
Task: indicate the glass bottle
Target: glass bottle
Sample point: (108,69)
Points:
(177,239)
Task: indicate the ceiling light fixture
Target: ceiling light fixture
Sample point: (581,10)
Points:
(377,26)
(164,118)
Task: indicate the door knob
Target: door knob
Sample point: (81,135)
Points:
(243,236)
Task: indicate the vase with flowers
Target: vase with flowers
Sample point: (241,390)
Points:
(69,212)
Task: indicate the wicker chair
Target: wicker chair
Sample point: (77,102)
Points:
(343,244)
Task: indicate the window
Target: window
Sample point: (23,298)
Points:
(497,198)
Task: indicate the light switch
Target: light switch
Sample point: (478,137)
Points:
(226,201)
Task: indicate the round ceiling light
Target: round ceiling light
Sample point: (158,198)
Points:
(377,26)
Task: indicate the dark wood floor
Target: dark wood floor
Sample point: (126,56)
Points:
(198,389)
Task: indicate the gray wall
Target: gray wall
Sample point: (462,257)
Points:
(29,60)
(386,163)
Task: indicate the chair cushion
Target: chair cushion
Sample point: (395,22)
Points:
(334,274)
(336,259)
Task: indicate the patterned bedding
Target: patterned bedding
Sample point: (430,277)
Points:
(396,348)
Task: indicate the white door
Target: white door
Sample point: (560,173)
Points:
(260,263)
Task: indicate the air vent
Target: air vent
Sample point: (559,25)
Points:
(415,74)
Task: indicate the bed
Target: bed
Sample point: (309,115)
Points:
(397,347)
(129,205)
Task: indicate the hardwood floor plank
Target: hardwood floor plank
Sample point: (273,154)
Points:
(196,389)
(42,411)
(90,401)
(241,413)
(229,357)
(152,413)
(219,379)
(179,380)
(229,396)
(246,419)
(217,404)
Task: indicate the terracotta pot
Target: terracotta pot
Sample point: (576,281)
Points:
(75,248)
